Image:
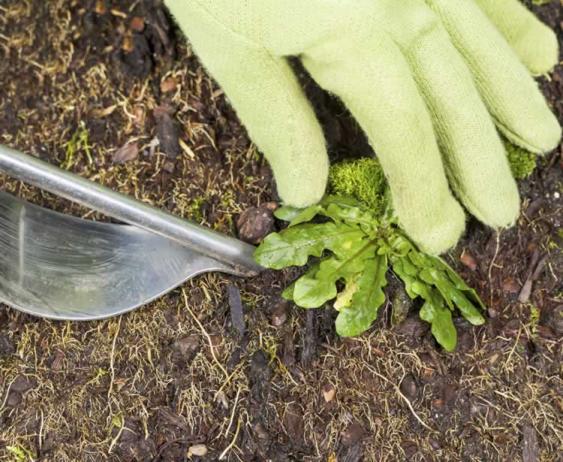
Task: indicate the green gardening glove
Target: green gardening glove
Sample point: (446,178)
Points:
(429,81)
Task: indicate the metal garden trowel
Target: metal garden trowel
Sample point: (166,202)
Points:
(62,267)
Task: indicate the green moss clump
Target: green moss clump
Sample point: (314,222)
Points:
(362,179)
(522,162)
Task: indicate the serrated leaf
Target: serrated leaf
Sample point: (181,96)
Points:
(433,277)
(454,293)
(467,309)
(400,245)
(287,213)
(355,215)
(314,291)
(342,201)
(360,247)
(409,281)
(440,319)
(460,284)
(361,312)
(293,246)
(287,293)
(306,215)
(310,292)
(409,268)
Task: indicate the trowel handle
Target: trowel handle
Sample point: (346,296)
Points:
(77,189)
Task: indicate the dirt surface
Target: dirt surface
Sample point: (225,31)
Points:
(106,89)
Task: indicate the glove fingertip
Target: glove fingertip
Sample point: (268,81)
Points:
(442,233)
(538,49)
(303,191)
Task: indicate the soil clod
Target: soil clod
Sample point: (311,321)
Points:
(14,399)
(409,388)
(168,132)
(187,347)
(353,434)
(279,312)
(21,384)
(6,346)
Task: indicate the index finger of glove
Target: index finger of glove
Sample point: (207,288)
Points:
(375,82)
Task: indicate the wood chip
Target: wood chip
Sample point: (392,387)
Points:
(126,153)
(137,24)
(530,446)
(104,112)
(198,450)
(186,149)
(168,85)
(118,13)
(128,45)
(468,260)
(139,116)
(510,286)
(57,363)
(168,132)
(329,392)
(100,7)
(237,313)
(536,267)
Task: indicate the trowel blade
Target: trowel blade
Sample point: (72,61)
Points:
(62,267)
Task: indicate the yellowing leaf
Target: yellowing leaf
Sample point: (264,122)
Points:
(361,312)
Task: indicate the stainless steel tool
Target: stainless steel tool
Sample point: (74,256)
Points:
(62,267)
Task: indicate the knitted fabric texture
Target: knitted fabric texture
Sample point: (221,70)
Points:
(429,81)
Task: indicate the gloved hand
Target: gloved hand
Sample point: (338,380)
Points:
(428,81)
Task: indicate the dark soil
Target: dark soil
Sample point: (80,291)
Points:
(257,379)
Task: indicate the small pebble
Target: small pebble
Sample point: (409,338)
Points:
(168,167)
(435,444)
(255,223)
(279,313)
(408,387)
